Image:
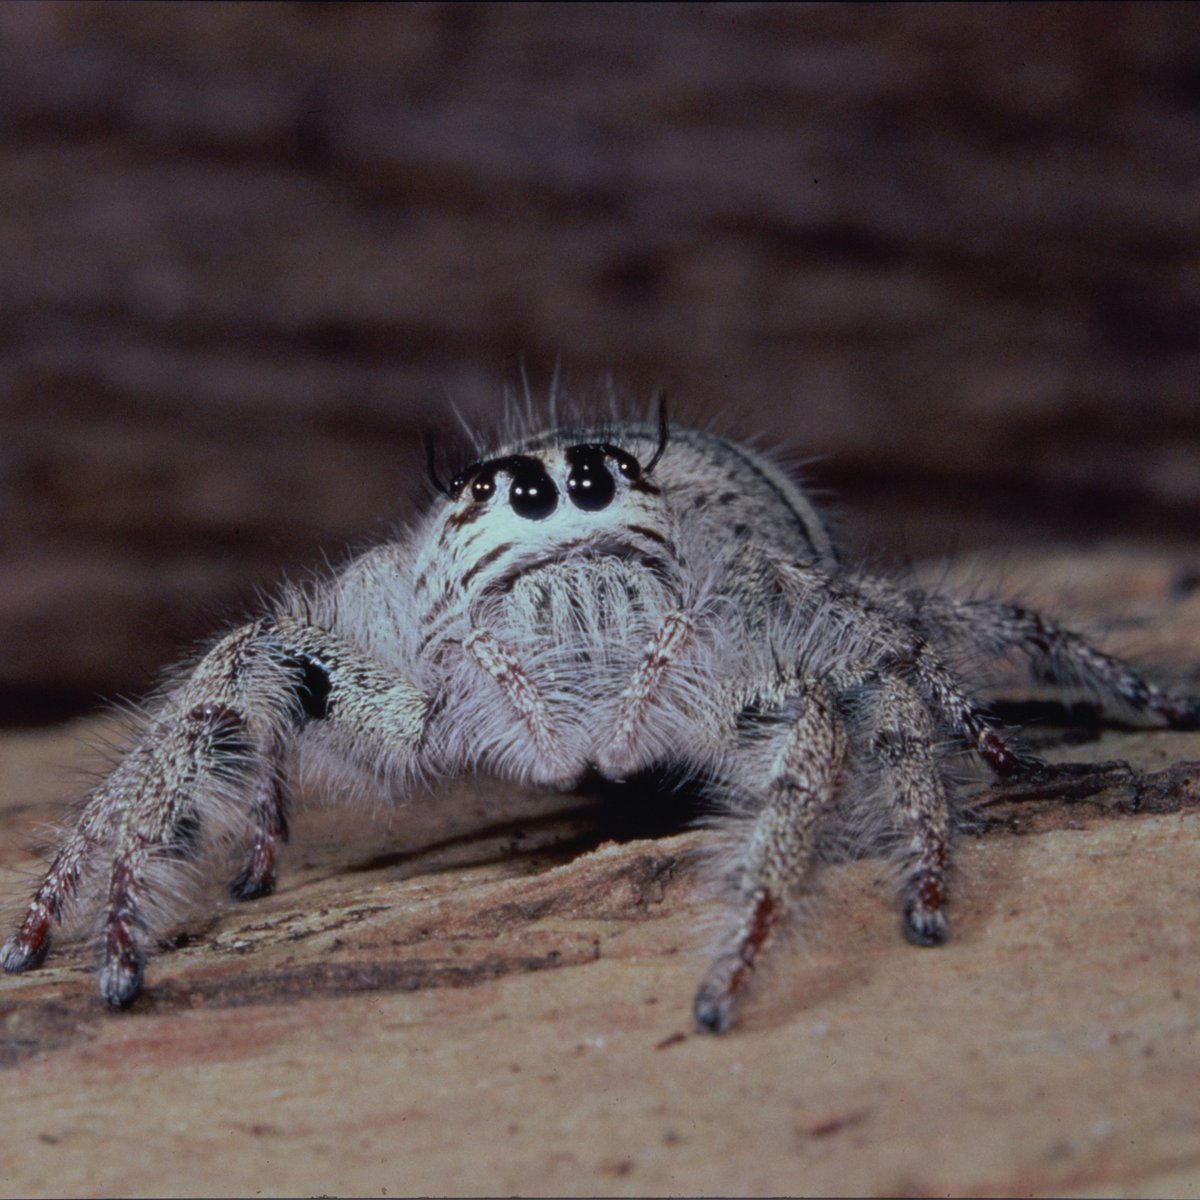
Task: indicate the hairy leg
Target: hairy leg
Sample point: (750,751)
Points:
(900,739)
(998,626)
(803,778)
(660,656)
(526,699)
(894,645)
(206,763)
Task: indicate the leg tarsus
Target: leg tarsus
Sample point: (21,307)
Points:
(259,871)
(924,916)
(715,1006)
(260,867)
(924,926)
(26,950)
(1180,712)
(120,978)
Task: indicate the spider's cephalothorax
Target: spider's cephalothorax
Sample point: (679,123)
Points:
(587,600)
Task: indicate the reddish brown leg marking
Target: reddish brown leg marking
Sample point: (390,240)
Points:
(925,894)
(261,864)
(997,753)
(124,957)
(28,947)
(716,1001)
(1179,712)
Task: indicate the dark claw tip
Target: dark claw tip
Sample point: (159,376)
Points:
(925,928)
(249,887)
(712,1015)
(120,981)
(15,957)
(1185,715)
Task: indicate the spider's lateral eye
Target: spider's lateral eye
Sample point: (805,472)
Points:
(590,483)
(468,477)
(483,487)
(533,494)
(629,466)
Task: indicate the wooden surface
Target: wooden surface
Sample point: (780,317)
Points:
(489,992)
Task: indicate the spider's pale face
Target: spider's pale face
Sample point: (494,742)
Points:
(511,514)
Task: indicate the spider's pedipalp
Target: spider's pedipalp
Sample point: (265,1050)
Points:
(673,638)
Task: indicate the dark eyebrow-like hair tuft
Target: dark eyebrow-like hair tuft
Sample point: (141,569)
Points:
(664,431)
(431,467)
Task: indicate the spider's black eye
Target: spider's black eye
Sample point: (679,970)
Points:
(483,487)
(626,463)
(589,484)
(533,494)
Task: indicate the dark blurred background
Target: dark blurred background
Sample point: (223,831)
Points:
(249,254)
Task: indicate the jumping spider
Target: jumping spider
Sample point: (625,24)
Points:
(593,599)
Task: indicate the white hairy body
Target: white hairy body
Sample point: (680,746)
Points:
(593,600)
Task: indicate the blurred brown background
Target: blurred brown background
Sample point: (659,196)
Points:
(249,254)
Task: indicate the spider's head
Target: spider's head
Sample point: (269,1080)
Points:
(552,498)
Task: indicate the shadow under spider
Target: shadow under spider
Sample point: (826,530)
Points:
(658,803)
(647,806)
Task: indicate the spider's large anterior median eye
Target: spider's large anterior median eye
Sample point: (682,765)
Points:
(590,483)
(533,494)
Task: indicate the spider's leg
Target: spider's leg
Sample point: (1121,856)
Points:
(268,818)
(893,644)
(207,764)
(1070,658)
(902,741)
(935,680)
(1055,652)
(28,947)
(805,770)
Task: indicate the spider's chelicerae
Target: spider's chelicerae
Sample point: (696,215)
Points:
(595,599)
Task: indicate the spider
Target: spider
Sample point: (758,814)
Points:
(601,598)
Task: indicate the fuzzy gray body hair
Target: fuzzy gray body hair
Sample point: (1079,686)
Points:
(600,598)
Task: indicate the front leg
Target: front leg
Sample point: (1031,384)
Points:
(806,764)
(208,762)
